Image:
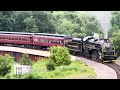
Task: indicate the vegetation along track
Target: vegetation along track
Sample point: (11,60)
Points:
(115,67)
(112,65)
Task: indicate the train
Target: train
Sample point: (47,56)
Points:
(98,49)
(91,47)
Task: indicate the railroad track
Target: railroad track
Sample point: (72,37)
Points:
(115,67)
(112,65)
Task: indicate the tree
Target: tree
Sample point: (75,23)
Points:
(116,18)
(25,60)
(43,21)
(22,20)
(6,20)
(116,42)
(31,24)
(6,63)
(72,23)
(115,23)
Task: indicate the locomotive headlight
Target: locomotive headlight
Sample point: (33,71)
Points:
(107,46)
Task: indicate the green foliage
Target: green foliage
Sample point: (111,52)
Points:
(50,66)
(29,76)
(116,42)
(76,68)
(114,32)
(8,76)
(6,63)
(44,21)
(72,23)
(19,24)
(59,55)
(31,24)
(62,22)
(27,21)
(25,60)
(116,18)
(39,71)
(6,20)
(115,23)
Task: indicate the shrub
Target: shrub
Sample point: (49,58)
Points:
(8,76)
(50,66)
(25,60)
(6,63)
(29,76)
(59,55)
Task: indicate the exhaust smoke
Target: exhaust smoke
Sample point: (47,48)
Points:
(104,19)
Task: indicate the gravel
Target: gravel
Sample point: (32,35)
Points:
(102,71)
(117,62)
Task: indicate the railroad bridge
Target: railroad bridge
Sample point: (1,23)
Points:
(17,52)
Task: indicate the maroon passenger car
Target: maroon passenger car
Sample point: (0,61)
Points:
(47,41)
(33,40)
(15,39)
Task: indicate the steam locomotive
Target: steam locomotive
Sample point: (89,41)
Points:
(97,49)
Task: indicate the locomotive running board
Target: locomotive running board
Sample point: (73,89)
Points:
(106,61)
(109,60)
(114,60)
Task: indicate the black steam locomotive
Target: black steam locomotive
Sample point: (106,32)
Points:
(97,49)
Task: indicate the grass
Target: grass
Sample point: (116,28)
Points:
(76,70)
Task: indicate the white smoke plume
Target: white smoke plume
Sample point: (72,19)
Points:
(96,35)
(104,19)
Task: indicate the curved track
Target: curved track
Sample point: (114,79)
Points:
(115,67)
(112,65)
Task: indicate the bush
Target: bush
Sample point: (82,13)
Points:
(50,66)
(6,63)
(29,76)
(25,60)
(59,56)
(39,69)
(8,76)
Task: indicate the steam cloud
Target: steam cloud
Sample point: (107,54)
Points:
(104,19)
(96,35)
